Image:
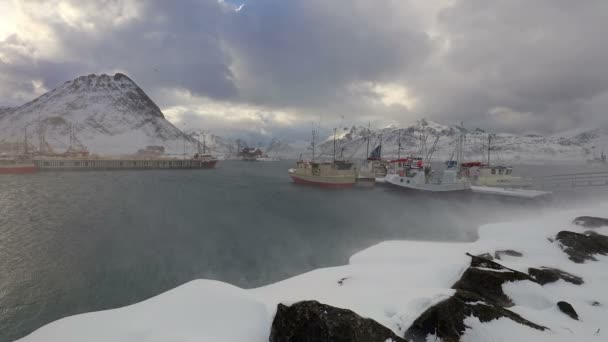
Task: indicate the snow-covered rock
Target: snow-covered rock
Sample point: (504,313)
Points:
(393,283)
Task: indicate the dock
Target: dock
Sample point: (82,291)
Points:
(510,192)
(60,164)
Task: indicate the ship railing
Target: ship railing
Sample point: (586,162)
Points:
(571,181)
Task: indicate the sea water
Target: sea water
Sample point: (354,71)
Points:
(73,242)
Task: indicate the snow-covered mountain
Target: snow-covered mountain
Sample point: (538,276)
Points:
(112,115)
(505,147)
(107,115)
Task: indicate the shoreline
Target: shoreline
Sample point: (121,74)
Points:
(392,283)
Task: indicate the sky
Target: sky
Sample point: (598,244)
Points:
(273,67)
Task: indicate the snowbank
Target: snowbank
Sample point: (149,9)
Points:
(392,283)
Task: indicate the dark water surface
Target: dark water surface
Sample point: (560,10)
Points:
(73,242)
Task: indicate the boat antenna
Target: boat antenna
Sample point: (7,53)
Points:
(399,145)
(204,143)
(369,134)
(312,143)
(489,146)
(334,144)
(25,150)
(380,146)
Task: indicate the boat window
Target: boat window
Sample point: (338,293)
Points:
(509,171)
(501,171)
(493,171)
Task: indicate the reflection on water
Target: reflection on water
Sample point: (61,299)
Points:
(82,241)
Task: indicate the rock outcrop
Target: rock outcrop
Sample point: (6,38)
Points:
(445,320)
(311,321)
(478,294)
(546,275)
(582,247)
(590,221)
(567,308)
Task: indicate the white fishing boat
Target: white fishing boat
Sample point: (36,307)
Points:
(420,176)
(426,180)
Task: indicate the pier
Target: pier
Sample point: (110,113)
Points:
(118,164)
(572,181)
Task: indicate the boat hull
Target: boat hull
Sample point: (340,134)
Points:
(408,184)
(328,182)
(18,169)
(210,164)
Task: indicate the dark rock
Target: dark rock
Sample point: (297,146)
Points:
(566,308)
(311,321)
(595,303)
(508,252)
(546,275)
(445,319)
(582,247)
(590,221)
(485,278)
(486,256)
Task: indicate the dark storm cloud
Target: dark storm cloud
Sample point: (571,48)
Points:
(504,65)
(308,52)
(545,58)
(165,46)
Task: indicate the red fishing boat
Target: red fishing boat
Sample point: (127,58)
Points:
(15,166)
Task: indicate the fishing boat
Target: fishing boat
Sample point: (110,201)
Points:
(207,161)
(335,173)
(420,175)
(494,176)
(481,174)
(17,166)
(328,174)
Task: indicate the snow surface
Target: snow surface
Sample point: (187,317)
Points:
(392,282)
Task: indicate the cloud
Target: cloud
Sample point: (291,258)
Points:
(544,58)
(274,66)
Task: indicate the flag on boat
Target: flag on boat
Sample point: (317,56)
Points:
(376,152)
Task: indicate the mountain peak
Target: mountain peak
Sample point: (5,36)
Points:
(100,109)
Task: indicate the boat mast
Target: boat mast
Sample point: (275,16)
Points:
(369,133)
(334,144)
(399,145)
(459,151)
(489,147)
(25,150)
(312,143)
(380,146)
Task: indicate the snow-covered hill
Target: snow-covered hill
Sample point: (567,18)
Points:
(505,147)
(107,114)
